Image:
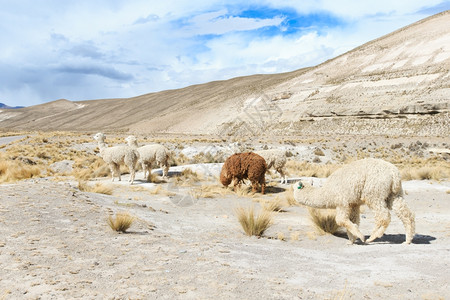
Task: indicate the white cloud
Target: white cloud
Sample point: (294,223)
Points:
(106,49)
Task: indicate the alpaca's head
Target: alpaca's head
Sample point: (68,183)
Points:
(100,137)
(131,140)
(300,186)
(224,178)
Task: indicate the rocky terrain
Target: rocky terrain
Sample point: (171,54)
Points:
(186,241)
(55,243)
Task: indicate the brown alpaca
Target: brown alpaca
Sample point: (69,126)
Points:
(240,166)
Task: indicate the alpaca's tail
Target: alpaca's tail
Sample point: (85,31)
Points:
(396,183)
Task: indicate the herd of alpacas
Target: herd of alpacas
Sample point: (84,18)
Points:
(372,182)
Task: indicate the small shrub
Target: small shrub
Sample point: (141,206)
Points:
(324,220)
(254,225)
(121,222)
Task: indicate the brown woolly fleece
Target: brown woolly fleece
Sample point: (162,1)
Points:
(240,166)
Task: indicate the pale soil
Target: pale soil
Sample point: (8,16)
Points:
(55,243)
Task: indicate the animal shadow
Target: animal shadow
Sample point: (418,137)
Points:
(274,190)
(420,239)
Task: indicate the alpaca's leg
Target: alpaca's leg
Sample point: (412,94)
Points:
(354,218)
(406,216)
(283,176)
(382,220)
(118,172)
(165,168)
(115,171)
(236,182)
(144,167)
(263,188)
(132,173)
(343,219)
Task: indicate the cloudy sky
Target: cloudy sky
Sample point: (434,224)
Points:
(96,49)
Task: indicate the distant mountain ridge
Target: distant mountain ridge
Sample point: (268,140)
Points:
(398,84)
(2,105)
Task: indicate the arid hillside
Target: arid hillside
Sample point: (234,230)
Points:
(398,84)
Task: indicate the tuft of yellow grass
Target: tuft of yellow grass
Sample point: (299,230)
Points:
(426,172)
(254,224)
(209,191)
(154,178)
(160,191)
(90,167)
(187,177)
(272,205)
(121,222)
(97,188)
(11,171)
(324,220)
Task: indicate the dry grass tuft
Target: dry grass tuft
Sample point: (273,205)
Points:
(324,220)
(121,223)
(425,173)
(154,177)
(90,167)
(97,188)
(254,225)
(160,191)
(187,177)
(244,191)
(272,205)
(209,191)
(11,171)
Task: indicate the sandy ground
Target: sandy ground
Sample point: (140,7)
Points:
(55,243)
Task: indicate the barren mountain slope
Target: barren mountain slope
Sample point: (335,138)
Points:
(397,84)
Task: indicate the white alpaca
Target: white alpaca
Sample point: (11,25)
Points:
(373,182)
(116,156)
(150,154)
(275,159)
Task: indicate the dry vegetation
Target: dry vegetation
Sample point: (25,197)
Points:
(324,220)
(13,169)
(187,177)
(121,223)
(254,224)
(275,205)
(96,188)
(32,155)
(209,191)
